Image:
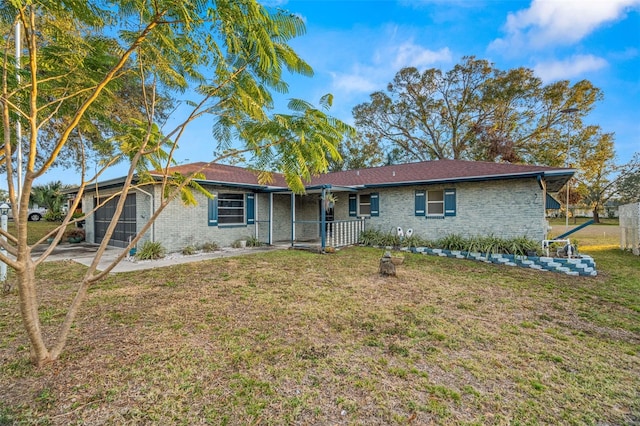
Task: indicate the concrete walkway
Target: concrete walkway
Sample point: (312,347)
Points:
(84,253)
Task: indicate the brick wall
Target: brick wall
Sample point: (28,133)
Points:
(281,217)
(179,226)
(505,209)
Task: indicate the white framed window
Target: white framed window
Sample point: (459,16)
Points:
(435,203)
(231,208)
(364,205)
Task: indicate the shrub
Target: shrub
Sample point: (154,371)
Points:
(488,244)
(75,233)
(522,245)
(253,242)
(52,216)
(210,247)
(415,241)
(189,250)
(375,237)
(452,242)
(150,250)
(390,239)
(368,237)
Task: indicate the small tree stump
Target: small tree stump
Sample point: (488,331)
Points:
(387,267)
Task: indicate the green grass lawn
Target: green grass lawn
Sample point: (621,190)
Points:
(290,337)
(36,230)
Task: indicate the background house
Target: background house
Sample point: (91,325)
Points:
(434,198)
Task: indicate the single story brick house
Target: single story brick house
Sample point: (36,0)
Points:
(434,198)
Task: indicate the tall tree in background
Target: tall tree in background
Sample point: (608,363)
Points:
(595,183)
(477,112)
(600,179)
(356,153)
(80,59)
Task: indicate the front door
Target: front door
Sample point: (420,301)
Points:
(329,218)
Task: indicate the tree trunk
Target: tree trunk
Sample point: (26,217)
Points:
(29,309)
(596,216)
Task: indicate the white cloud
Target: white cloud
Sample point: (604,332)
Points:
(559,22)
(358,81)
(573,67)
(409,54)
(373,74)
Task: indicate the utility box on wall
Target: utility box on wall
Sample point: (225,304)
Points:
(630,227)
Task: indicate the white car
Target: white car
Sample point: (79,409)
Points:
(34,214)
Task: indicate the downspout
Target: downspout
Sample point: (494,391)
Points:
(543,185)
(293,218)
(255,214)
(153,224)
(323,220)
(271,218)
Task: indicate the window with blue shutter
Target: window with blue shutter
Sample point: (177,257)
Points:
(375,204)
(353,205)
(420,203)
(251,209)
(213,211)
(449,202)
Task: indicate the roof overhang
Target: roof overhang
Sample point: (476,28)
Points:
(553,180)
(556,180)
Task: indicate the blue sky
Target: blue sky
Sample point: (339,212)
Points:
(356,47)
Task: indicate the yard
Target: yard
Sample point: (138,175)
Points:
(290,337)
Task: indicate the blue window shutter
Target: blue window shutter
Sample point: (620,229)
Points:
(449,202)
(213,211)
(353,205)
(420,203)
(251,209)
(375,204)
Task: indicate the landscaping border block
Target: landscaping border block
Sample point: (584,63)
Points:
(583,265)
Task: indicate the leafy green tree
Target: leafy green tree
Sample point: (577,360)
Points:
(62,45)
(81,58)
(595,184)
(475,111)
(49,196)
(600,179)
(356,153)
